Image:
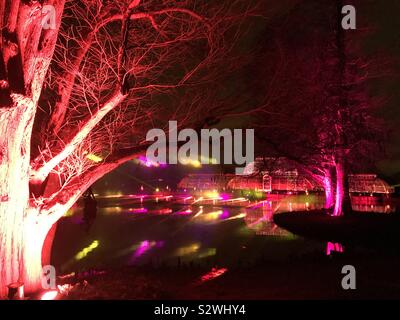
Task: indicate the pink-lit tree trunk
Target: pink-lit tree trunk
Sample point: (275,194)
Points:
(22,228)
(338,210)
(25,55)
(328,189)
(342,196)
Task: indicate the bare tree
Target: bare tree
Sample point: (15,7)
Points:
(321,115)
(78,99)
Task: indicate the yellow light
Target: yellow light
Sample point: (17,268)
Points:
(196,164)
(208,253)
(193,163)
(69,213)
(208,216)
(213,161)
(213,215)
(208,160)
(94,158)
(183,251)
(212,194)
(239,216)
(84,252)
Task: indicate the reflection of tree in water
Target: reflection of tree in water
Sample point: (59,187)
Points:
(260,216)
(260,220)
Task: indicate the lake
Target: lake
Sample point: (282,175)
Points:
(157,231)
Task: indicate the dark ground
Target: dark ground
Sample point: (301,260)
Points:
(306,278)
(355,228)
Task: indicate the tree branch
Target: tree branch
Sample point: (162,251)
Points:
(40,174)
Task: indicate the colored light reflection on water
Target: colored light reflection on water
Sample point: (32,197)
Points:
(138,210)
(214,273)
(143,247)
(196,233)
(333,247)
(209,252)
(185,212)
(82,254)
(209,217)
(187,250)
(224,214)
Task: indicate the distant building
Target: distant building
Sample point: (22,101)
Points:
(283,181)
(368,183)
(205,181)
(277,175)
(272,174)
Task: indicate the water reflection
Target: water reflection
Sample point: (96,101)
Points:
(332,247)
(138,230)
(260,214)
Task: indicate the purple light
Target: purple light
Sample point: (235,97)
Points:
(333,247)
(224,196)
(224,214)
(148,163)
(144,246)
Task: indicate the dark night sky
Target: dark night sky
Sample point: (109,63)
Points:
(380,16)
(384,15)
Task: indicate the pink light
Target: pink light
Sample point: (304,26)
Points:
(138,210)
(49,295)
(186,212)
(257,205)
(214,273)
(224,196)
(333,247)
(148,163)
(224,215)
(144,246)
(328,192)
(162,211)
(338,211)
